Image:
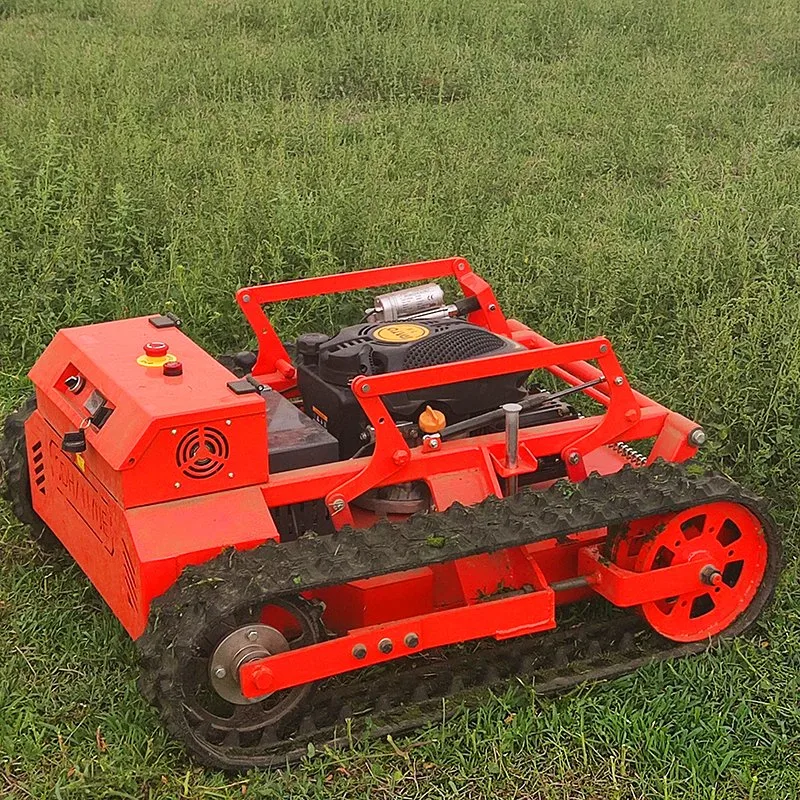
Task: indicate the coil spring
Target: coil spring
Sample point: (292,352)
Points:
(629,453)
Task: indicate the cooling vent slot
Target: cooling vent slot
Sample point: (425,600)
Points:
(38,466)
(129,575)
(452,345)
(202,452)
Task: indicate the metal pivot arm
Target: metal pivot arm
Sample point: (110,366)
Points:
(273,364)
(392,454)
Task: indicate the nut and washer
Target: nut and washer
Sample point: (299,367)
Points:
(360,651)
(337,505)
(385,646)
(411,640)
(697,438)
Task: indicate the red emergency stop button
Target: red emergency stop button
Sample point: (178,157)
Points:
(156,349)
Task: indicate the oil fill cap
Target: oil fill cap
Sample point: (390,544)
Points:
(431,420)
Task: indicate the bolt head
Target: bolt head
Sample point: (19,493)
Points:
(411,640)
(246,298)
(401,457)
(698,437)
(385,646)
(220,672)
(603,348)
(252,635)
(492,307)
(177,484)
(711,576)
(574,458)
(434,443)
(618,381)
(360,651)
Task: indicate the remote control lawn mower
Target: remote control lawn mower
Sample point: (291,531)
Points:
(345,530)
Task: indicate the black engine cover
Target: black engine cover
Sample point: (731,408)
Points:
(326,367)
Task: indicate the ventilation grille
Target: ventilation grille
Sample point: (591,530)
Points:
(202,452)
(452,345)
(38,467)
(129,575)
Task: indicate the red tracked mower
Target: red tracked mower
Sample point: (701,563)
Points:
(372,502)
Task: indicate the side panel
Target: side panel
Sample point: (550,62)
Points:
(132,556)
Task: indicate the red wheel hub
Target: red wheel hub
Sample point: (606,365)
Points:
(727,543)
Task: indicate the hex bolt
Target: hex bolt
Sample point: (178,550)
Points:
(246,298)
(697,438)
(603,348)
(177,484)
(337,505)
(492,307)
(385,646)
(411,640)
(618,381)
(365,388)
(360,651)
(711,576)
(574,458)
(220,672)
(252,635)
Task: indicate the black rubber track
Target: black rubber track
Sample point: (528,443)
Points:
(16,483)
(386,695)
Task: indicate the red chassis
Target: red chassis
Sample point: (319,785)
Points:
(133,513)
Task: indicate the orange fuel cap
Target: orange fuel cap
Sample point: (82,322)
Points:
(431,420)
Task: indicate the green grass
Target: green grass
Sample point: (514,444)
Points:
(615,166)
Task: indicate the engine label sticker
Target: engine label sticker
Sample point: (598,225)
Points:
(321,418)
(400,332)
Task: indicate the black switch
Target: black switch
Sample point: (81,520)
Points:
(74,442)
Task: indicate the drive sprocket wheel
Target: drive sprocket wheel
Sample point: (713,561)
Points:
(194,680)
(737,558)
(16,481)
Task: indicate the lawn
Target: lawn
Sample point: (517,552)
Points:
(614,166)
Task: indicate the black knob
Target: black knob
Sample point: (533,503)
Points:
(245,360)
(74,383)
(308,346)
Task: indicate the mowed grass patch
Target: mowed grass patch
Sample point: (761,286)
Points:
(614,167)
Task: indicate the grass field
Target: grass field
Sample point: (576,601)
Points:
(615,166)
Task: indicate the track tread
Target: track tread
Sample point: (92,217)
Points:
(220,585)
(16,481)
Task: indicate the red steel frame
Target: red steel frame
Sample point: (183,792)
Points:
(448,603)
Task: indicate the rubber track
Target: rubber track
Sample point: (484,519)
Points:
(238,577)
(16,482)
